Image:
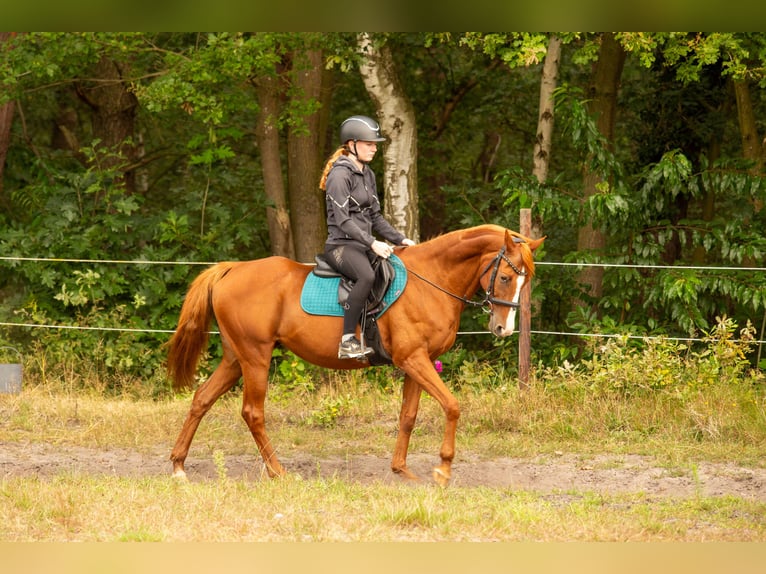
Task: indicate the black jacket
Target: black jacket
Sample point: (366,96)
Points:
(353,208)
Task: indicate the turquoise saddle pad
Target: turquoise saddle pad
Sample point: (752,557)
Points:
(320,294)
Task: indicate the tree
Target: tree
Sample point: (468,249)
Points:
(227,128)
(541,153)
(6,121)
(267,136)
(397,121)
(752,146)
(602,99)
(304,153)
(113,117)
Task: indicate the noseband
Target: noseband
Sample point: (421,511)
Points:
(489,296)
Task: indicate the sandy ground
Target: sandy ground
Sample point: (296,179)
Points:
(553,474)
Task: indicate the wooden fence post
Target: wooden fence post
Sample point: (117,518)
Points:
(525,310)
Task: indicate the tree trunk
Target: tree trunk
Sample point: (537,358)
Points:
(267,137)
(752,146)
(603,104)
(699,255)
(304,148)
(542,150)
(6,121)
(548,83)
(397,122)
(64,133)
(114,116)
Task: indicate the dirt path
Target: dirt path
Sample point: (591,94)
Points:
(601,474)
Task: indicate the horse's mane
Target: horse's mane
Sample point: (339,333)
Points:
(495,230)
(526,253)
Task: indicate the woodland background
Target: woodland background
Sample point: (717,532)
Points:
(630,148)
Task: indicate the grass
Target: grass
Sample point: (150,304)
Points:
(347,414)
(109,509)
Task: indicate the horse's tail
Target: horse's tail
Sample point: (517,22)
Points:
(191,336)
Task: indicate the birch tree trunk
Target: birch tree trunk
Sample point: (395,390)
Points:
(543,141)
(548,83)
(396,116)
(603,104)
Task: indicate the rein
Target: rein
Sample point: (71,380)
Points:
(489,296)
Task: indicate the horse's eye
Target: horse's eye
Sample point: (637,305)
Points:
(504,279)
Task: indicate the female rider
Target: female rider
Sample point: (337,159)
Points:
(353,215)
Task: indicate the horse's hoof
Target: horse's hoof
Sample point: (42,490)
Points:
(406,474)
(440,477)
(275,473)
(284,476)
(180,475)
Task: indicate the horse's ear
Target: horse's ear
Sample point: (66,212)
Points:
(535,243)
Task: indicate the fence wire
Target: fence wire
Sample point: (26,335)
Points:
(462,333)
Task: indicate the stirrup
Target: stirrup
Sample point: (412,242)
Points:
(353,349)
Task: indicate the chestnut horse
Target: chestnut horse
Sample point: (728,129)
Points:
(256,306)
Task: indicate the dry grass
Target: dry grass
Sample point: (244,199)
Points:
(348,413)
(81,508)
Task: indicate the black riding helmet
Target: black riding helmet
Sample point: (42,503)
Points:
(360,128)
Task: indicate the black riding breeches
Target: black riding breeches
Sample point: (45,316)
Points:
(353,261)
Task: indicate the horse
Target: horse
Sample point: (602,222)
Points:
(256,306)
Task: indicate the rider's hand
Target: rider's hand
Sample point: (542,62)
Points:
(381,249)
(408,242)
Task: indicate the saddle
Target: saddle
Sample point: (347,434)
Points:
(384,276)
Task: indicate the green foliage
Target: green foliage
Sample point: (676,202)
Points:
(515,49)
(85,214)
(649,218)
(292,374)
(330,410)
(631,367)
(476,96)
(476,374)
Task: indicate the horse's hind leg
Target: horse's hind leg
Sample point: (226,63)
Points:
(223,378)
(256,381)
(411,392)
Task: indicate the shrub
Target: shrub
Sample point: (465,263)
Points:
(619,365)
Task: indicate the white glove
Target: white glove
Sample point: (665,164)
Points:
(381,249)
(408,242)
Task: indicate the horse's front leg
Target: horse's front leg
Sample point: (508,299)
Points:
(410,403)
(222,379)
(419,367)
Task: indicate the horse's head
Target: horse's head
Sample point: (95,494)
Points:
(505,277)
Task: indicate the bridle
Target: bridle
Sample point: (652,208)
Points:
(489,296)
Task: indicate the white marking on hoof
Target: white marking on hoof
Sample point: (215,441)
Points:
(180,475)
(441,477)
